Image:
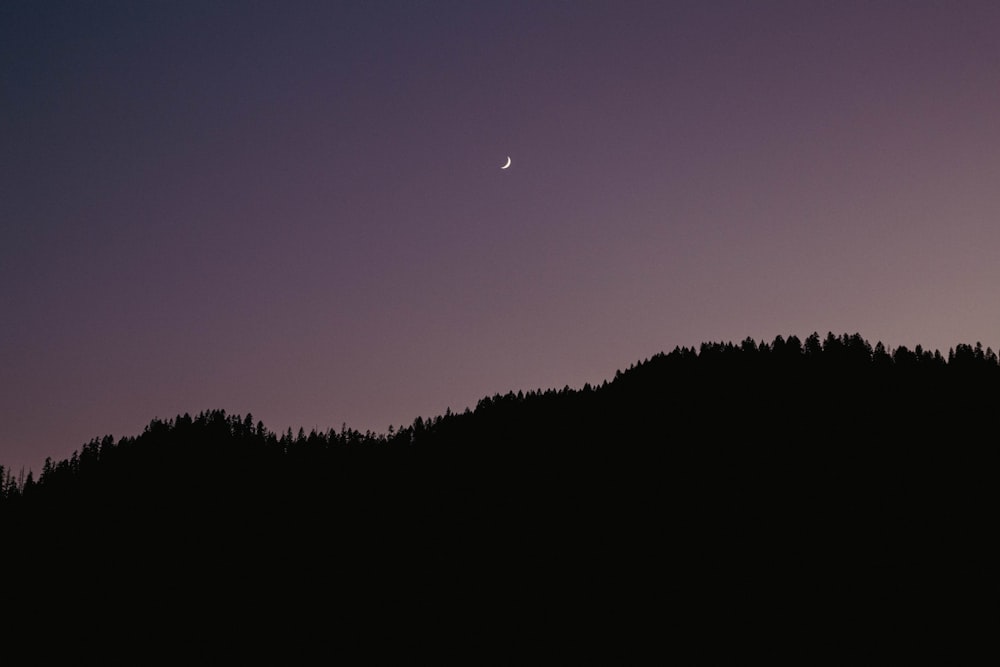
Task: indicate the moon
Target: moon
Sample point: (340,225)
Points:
(508,163)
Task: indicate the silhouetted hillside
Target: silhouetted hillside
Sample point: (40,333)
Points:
(813,472)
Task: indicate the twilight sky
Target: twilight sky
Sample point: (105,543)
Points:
(297,208)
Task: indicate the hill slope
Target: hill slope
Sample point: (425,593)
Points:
(813,473)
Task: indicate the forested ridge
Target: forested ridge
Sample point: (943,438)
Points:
(815,375)
(815,468)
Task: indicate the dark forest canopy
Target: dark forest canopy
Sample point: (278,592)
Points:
(774,374)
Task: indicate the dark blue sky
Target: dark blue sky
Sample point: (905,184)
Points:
(297,209)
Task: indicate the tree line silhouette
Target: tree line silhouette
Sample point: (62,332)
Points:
(846,365)
(817,469)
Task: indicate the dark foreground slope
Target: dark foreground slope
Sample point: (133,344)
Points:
(811,477)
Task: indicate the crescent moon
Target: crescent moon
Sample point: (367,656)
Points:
(508,163)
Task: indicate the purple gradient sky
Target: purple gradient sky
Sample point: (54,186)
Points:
(297,209)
